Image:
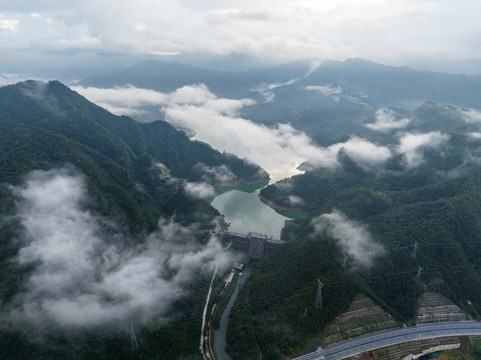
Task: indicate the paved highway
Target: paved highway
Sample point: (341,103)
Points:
(392,337)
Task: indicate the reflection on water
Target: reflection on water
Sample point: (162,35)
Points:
(246,212)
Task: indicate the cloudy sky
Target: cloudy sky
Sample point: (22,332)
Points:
(392,32)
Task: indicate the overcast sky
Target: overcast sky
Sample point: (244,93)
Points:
(394,32)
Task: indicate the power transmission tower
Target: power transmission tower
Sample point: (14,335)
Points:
(133,339)
(318,300)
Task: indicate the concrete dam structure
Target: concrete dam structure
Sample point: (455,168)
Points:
(254,244)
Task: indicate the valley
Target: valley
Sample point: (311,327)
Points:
(377,206)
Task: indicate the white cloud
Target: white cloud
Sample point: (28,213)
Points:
(122,100)
(82,270)
(163,173)
(386,121)
(199,190)
(471,116)
(295,200)
(279,150)
(215,174)
(365,153)
(378,30)
(476,135)
(265,87)
(353,238)
(410,145)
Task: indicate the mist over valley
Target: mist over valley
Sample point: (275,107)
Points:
(203,180)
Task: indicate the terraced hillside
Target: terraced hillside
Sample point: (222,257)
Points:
(363,317)
(436,308)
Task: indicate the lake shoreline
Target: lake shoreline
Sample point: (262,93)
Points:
(240,182)
(279,207)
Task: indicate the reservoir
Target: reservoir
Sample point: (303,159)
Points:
(246,212)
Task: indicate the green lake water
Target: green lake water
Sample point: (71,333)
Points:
(246,212)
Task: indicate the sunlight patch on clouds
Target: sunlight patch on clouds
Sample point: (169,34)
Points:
(8,24)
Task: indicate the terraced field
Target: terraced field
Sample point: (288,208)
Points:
(363,317)
(436,308)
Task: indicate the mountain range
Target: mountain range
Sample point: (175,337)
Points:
(390,185)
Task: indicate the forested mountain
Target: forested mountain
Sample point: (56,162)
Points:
(390,232)
(391,191)
(48,124)
(96,209)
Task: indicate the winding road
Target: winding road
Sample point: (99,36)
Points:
(392,337)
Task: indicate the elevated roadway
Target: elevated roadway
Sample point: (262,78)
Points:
(392,337)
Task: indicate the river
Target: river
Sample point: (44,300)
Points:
(220,334)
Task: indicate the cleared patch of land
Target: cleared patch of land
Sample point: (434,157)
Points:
(436,308)
(363,317)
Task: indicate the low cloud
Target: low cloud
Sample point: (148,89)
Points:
(127,100)
(410,145)
(471,116)
(265,89)
(366,154)
(280,150)
(37,90)
(163,173)
(285,185)
(386,121)
(215,174)
(82,271)
(325,90)
(352,237)
(315,64)
(476,135)
(199,190)
(295,200)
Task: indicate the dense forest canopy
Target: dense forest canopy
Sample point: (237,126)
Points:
(101,225)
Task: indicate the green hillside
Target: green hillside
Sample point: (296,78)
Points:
(135,175)
(390,234)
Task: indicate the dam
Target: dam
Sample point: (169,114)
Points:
(255,245)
